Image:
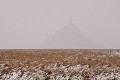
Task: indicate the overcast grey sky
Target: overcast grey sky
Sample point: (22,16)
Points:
(27,23)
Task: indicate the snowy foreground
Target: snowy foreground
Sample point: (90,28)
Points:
(77,66)
(55,72)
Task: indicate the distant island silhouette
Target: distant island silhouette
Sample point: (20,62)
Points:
(70,37)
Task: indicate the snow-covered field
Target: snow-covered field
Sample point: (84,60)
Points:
(59,65)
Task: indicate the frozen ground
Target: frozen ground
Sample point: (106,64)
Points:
(59,65)
(55,72)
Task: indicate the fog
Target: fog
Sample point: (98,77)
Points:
(29,23)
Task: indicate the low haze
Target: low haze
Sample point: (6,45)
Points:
(29,23)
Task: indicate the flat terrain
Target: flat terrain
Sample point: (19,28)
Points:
(56,64)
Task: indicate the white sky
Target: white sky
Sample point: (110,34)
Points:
(27,23)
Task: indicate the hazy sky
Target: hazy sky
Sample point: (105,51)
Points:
(27,23)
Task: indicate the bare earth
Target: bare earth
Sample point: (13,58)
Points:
(56,64)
